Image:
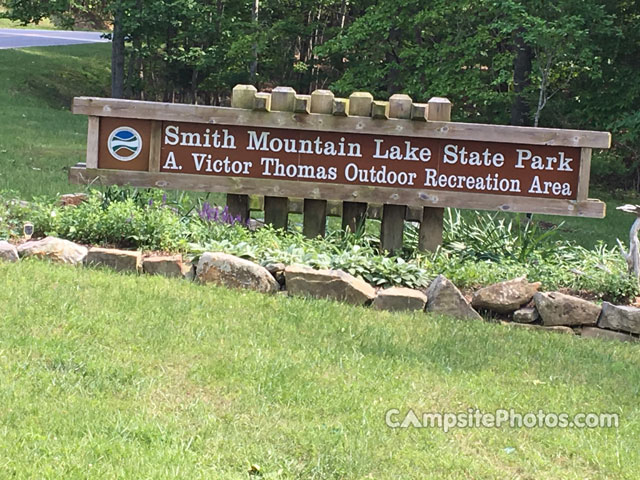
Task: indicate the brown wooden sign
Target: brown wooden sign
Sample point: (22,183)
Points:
(347,159)
(342,158)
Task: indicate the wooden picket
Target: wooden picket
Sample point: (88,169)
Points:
(359,104)
(354,214)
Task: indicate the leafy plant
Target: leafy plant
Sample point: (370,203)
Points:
(478,249)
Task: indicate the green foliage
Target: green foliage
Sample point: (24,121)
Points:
(491,237)
(14,214)
(488,249)
(580,72)
(620,167)
(119,223)
(478,250)
(348,253)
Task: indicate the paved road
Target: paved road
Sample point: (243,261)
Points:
(18,38)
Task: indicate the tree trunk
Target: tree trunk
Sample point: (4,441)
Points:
(520,111)
(393,74)
(253,68)
(117,55)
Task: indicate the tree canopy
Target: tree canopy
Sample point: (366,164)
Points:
(563,63)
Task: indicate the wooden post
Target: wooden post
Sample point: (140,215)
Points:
(93,132)
(322,102)
(302,104)
(430,236)
(238,206)
(262,102)
(584,174)
(419,112)
(439,110)
(360,104)
(400,106)
(243,96)
(380,110)
(276,209)
(354,214)
(340,107)
(155,145)
(392,226)
(283,99)
(314,220)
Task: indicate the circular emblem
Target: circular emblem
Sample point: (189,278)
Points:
(124,144)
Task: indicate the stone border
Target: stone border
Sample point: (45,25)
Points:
(516,301)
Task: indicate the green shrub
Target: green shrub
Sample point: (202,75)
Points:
(125,224)
(477,249)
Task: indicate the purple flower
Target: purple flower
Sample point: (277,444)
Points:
(211,213)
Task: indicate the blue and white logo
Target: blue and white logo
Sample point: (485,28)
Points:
(124,144)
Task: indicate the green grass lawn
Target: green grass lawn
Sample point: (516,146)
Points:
(45,24)
(119,376)
(39,137)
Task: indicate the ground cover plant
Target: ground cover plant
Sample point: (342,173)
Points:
(477,251)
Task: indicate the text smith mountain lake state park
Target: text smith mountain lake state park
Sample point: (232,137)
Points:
(365,159)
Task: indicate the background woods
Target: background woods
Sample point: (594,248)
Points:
(563,63)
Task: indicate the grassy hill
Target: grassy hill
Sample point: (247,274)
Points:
(39,137)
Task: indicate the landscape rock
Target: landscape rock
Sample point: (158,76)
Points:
(72,199)
(8,252)
(593,332)
(332,284)
(234,272)
(396,299)
(620,318)
(21,203)
(526,315)
(445,298)
(190,273)
(54,249)
(277,270)
(254,224)
(556,308)
(555,329)
(505,297)
(168,266)
(119,260)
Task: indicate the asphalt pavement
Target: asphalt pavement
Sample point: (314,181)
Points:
(20,38)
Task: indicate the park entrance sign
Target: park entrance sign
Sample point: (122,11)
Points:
(347,159)
(319,148)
